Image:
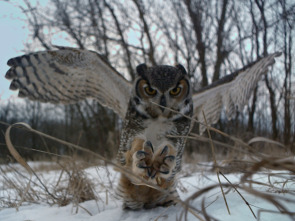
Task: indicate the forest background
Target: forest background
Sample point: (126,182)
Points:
(210,38)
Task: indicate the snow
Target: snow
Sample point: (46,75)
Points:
(109,208)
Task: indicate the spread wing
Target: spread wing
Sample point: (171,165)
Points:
(231,92)
(69,75)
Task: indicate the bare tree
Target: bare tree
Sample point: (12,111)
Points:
(211,38)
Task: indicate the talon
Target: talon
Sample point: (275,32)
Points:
(164,151)
(159,181)
(153,174)
(148,146)
(141,154)
(164,170)
(169,159)
(149,171)
(142,165)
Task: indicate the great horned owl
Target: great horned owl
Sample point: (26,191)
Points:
(160,105)
(157,106)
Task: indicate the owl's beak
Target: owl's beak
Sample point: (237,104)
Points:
(163,103)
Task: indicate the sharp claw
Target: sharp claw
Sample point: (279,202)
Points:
(159,181)
(149,171)
(169,159)
(141,154)
(164,151)
(153,174)
(148,145)
(142,165)
(164,169)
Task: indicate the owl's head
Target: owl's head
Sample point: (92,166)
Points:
(158,90)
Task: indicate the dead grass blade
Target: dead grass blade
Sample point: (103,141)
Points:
(265,140)
(215,163)
(246,202)
(21,161)
(13,151)
(77,147)
(78,181)
(64,199)
(273,200)
(270,211)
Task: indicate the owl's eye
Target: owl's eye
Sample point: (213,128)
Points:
(150,91)
(175,91)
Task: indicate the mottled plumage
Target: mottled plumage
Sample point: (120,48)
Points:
(160,96)
(153,106)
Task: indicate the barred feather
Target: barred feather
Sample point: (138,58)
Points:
(69,75)
(231,92)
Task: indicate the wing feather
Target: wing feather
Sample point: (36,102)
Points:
(69,75)
(231,92)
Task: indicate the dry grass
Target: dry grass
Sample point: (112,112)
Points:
(250,160)
(74,186)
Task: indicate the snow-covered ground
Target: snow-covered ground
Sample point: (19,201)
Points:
(108,208)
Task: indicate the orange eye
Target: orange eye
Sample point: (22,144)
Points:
(175,91)
(150,91)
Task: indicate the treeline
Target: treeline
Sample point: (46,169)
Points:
(97,132)
(210,38)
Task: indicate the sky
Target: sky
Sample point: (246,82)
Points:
(13,36)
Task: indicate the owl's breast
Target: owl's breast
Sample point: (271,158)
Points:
(156,131)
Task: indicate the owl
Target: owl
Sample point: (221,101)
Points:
(157,110)
(160,105)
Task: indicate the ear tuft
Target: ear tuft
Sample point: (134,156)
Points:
(141,69)
(181,68)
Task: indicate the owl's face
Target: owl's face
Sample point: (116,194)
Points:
(159,90)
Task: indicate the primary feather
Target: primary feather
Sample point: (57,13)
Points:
(231,92)
(69,75)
